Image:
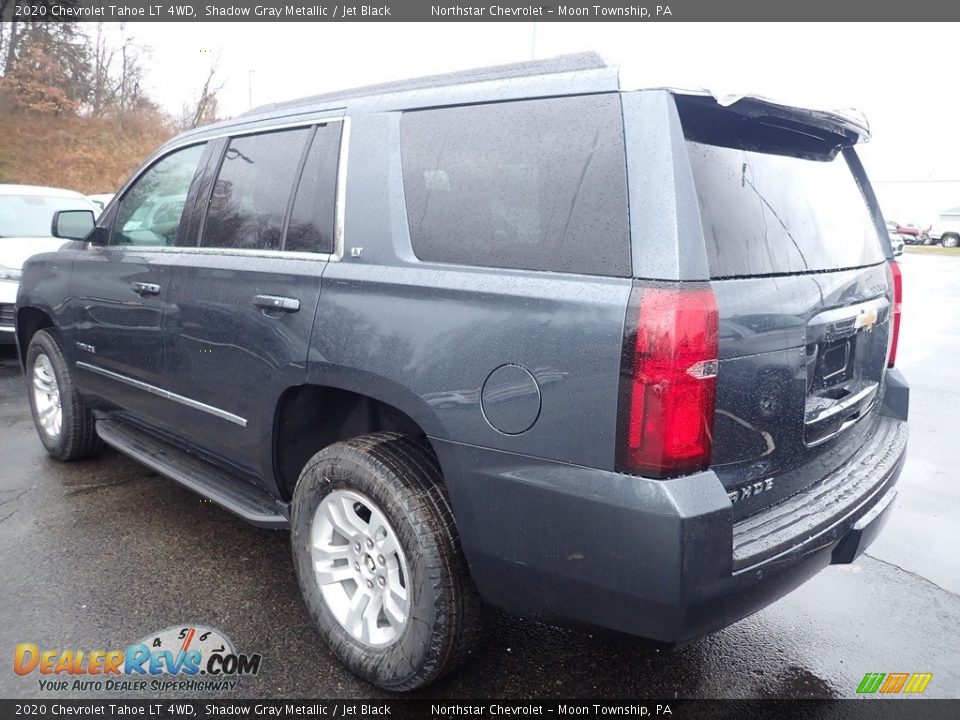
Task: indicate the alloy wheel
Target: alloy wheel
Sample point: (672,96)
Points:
(46,396)
(360,567)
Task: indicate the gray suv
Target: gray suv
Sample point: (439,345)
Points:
(519,337)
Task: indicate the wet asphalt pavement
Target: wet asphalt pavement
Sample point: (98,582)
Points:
(96,555)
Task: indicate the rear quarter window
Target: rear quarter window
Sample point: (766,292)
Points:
(535,184)
(312,218)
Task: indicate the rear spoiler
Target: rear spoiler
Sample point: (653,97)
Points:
(851,123)
(848,123)
(754,123)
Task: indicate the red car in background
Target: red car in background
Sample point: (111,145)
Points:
(911,234)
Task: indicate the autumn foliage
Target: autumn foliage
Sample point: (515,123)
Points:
(73,109)
(80,153)
(35,88)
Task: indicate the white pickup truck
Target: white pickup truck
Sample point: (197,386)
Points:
(946,232)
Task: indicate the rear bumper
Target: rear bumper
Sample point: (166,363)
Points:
(658,559)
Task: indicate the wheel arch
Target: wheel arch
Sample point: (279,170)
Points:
(311,416)
(29,320)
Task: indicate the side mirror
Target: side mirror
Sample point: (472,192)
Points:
(72,224)
(98,237)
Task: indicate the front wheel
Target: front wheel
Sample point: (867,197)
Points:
(379,562)
(950,241)
(64,422)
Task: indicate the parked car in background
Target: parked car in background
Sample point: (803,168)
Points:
(156,220)
(946,228)
(910,234)
(26,212)
(914,234)
(100,200)
(896,242)
(946,231)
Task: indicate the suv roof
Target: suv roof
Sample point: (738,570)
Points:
(561,64)
(574,74)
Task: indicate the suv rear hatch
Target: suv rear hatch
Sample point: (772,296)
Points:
(803,293)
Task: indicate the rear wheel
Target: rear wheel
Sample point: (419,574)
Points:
(64,422)
(379,562)
(951,241)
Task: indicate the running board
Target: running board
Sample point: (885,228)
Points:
(252,504)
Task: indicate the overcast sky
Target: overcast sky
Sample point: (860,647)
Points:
(898,74)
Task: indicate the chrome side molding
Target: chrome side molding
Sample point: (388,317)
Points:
(154,390)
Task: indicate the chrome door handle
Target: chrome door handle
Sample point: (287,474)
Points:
(277,302)
(144,288)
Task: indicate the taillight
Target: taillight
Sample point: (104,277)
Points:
(897,282)
(668,381)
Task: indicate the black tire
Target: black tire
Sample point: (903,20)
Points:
(950,241)
(401,476)
(77,438)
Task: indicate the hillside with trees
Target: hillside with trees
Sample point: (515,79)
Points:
(73,109)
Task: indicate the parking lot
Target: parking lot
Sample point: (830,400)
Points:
(99,554)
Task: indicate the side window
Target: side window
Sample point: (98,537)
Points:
(252,190)
(535,184)
(314,209)
(150,211)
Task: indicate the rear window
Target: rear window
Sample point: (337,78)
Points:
(766,214)
(535,184)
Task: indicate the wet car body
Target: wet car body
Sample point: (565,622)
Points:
(532,377)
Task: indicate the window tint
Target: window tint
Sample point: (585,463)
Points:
(538,184)
(252,190)
(769,214)
(314,209)
(150,211)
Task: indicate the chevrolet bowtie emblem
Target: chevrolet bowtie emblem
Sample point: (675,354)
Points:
(867,319)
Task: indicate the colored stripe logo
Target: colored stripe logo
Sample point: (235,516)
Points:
(893,683)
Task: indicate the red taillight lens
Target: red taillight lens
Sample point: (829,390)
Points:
(897,282)
(668,381)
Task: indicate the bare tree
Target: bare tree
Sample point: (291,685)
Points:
(102,90)
(204,110)
(9,29)
(14,31)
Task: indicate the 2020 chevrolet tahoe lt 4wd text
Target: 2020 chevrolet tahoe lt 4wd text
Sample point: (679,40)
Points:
(517,337)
